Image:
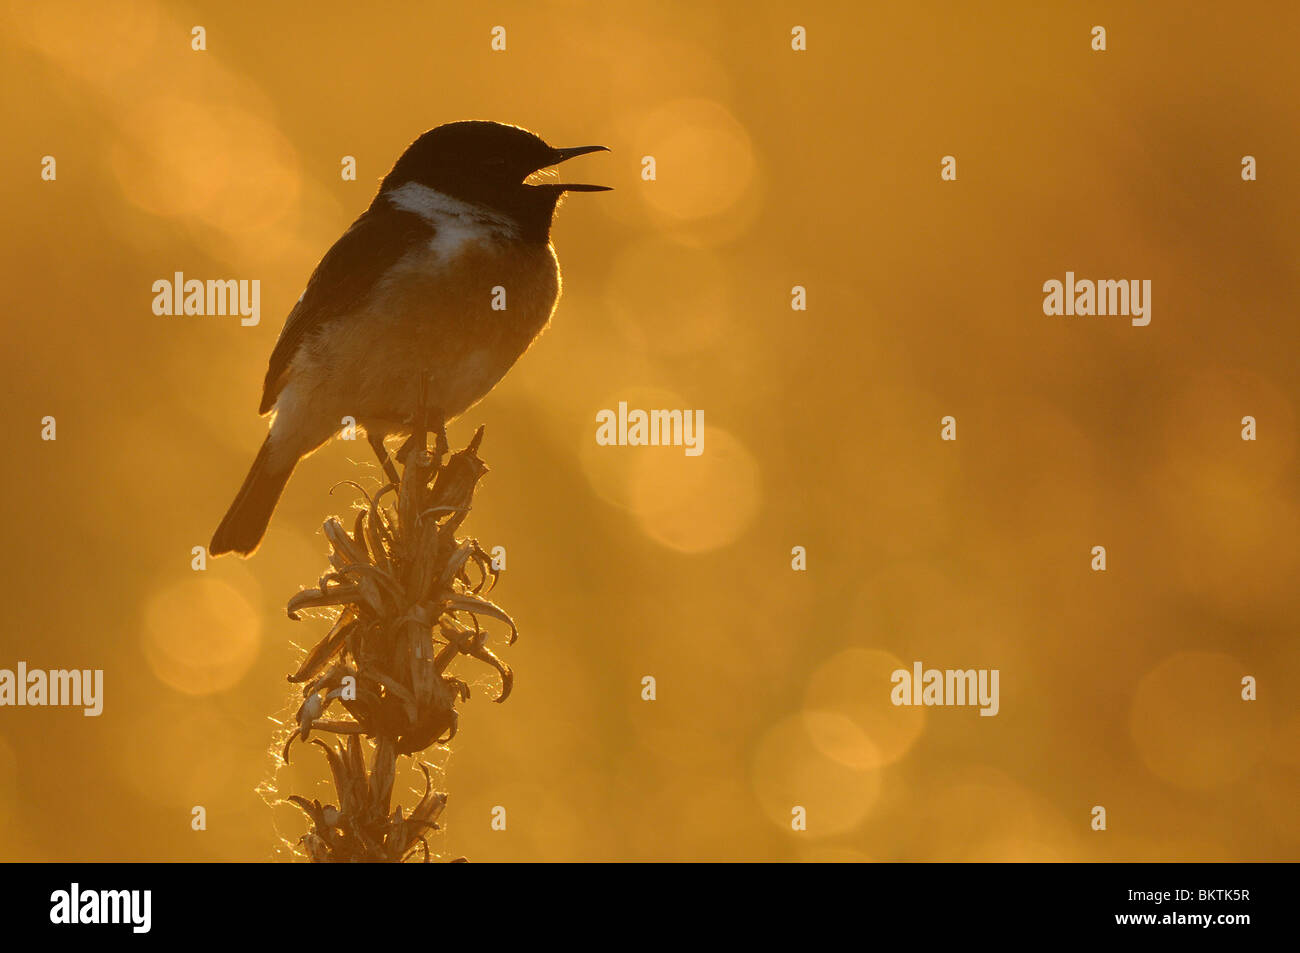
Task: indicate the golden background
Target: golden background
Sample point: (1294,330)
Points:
(775,168)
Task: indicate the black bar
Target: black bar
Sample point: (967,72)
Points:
(302,903)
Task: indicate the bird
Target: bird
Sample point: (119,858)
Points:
(425,302)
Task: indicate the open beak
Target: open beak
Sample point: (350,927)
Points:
(564,155)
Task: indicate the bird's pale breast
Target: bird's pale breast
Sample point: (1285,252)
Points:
(456,312)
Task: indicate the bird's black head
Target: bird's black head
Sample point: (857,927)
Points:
(485,163)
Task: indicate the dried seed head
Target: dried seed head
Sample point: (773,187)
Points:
(408,606)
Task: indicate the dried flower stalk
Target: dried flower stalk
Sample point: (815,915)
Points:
(410,595)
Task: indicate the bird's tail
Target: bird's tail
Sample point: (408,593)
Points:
(245,523)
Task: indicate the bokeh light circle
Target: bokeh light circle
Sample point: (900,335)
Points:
(1189,722)
(695,504)
(849,715)
(200,635)
(789,771)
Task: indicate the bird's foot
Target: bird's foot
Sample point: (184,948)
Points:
(419,439)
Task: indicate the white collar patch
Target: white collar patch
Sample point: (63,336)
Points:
(456,223)
(438,208)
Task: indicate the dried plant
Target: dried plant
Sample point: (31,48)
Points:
(409,595)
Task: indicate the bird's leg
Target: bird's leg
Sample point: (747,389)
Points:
(420,431)
(419,438)
(440,445)
(377,444)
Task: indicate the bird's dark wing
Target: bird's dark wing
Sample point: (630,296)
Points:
(342,280)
